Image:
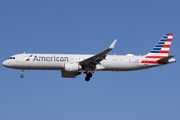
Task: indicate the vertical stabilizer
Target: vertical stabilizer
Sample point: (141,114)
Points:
(160,50)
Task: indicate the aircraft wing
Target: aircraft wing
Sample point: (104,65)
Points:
(96,59)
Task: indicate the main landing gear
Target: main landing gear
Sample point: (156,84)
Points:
(88,76)
(22,74)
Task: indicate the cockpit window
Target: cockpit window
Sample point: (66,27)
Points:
(11,58)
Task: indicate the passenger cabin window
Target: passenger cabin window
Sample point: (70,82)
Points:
(11,58)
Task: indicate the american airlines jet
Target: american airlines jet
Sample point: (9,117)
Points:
(72,65)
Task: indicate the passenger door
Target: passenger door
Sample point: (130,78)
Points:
(22,58)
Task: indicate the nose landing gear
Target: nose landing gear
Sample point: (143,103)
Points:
(22,74)
(88,76)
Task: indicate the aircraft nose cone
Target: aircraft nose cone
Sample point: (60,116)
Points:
(5,63)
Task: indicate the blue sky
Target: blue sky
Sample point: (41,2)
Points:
(89,27)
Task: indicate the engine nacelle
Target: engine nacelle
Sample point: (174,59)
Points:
(72,67)
(66,74)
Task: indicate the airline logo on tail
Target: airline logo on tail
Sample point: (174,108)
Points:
(163,45)
(160,50)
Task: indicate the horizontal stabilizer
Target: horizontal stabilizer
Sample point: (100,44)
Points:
(166,58)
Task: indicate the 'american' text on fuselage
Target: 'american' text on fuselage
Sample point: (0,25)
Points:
(53,58)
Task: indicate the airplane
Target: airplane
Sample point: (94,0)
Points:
(72,65)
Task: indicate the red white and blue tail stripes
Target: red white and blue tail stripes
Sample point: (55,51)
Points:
(160,50)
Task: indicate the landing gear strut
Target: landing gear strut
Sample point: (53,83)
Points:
(88,76)
(22,74)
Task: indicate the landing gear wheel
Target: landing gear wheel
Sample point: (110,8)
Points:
(87,78)
(21,76)
(89,75)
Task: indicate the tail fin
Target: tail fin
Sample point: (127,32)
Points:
(159,53)
(161,49)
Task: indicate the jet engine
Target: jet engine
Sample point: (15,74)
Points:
(72,67)
(66,74)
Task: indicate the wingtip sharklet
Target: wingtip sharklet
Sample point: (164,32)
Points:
(113,44)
